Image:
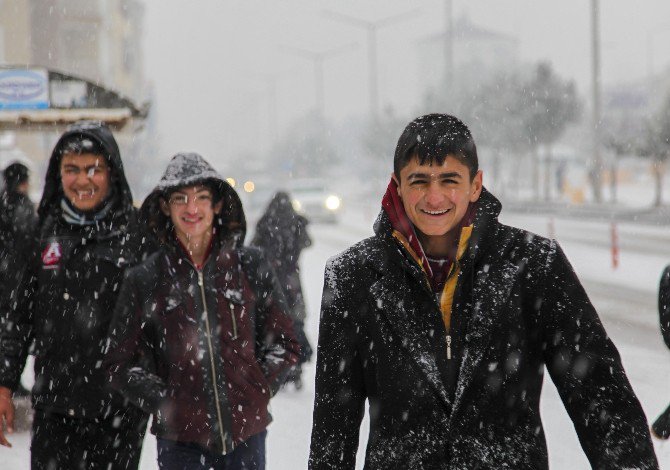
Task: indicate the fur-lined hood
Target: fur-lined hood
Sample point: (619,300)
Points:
(187,169)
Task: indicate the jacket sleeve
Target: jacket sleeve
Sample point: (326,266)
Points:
(664,305)
(276,342)
(129,355)
(588,373)
(340,390)
(16,323)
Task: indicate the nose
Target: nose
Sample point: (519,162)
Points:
(83,177)
(191,205)
(434,195)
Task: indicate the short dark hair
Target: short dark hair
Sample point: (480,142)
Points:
(433,137)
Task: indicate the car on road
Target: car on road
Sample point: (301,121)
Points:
(314,200)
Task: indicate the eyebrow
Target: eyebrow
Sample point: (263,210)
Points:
(451,174)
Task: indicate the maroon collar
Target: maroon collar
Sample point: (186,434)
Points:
(188,255)
(392,205)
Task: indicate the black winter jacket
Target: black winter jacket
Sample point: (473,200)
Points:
(69,286)
(17,224)
(664,305)
(282,235)
(523,309)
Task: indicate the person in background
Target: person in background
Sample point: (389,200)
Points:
(661,427)
(201,337)
(86,237)
(282,235)
(445,321)
(17,214)
(17,222)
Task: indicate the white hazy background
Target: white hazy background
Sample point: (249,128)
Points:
(211,63)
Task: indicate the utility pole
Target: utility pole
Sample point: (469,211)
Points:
(372,27)
(317,59)
(449,45)
(595,117)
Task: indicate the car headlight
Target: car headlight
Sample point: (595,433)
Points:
(333,202)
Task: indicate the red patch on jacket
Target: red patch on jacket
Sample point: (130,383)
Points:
(51,255)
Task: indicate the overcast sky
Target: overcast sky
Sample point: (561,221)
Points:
(212,63)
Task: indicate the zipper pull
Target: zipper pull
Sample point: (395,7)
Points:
(448,346)
(200,280)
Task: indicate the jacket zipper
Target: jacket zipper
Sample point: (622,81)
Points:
(201,283)
(454,268)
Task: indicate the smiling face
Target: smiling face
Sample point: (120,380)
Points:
(192,214)
(436,198)
(85,179)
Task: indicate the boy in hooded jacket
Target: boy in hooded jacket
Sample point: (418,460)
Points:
(445,321)
(86,237)
(201,337)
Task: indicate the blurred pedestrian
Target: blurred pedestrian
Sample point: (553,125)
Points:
(201,338)
(661,427)
(17,222)
(86,237)
(17,214)
(445,320)
(282,235)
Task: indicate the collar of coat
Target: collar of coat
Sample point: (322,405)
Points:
(398,302)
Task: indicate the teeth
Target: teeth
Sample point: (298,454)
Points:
(436,212)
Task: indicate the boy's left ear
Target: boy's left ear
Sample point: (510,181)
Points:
(217,207)
(476,187)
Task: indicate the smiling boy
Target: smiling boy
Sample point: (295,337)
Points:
(445,321)
(201,336)
(87,235)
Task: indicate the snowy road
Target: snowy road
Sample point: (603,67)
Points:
(625,298)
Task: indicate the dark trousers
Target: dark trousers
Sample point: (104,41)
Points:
(250,455)
(63,443)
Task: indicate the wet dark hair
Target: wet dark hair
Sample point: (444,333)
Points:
(433,137)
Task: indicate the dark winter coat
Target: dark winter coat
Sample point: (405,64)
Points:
(201,349)
(664,305)
(523,309)
(282,235)
(67,294)
(17,223)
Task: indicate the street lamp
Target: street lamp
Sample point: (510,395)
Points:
(371,27)
(317,59)
(595,116)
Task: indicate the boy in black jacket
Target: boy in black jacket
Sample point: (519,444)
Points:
(445,321)
(87,235)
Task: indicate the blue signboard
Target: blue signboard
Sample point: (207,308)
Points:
(24,89)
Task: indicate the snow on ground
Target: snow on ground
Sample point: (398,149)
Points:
(647,362)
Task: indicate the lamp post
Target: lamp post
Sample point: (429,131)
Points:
(371,27)
(317,59)
(448,44)
(595,116)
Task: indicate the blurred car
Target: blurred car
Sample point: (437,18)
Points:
(312,199)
